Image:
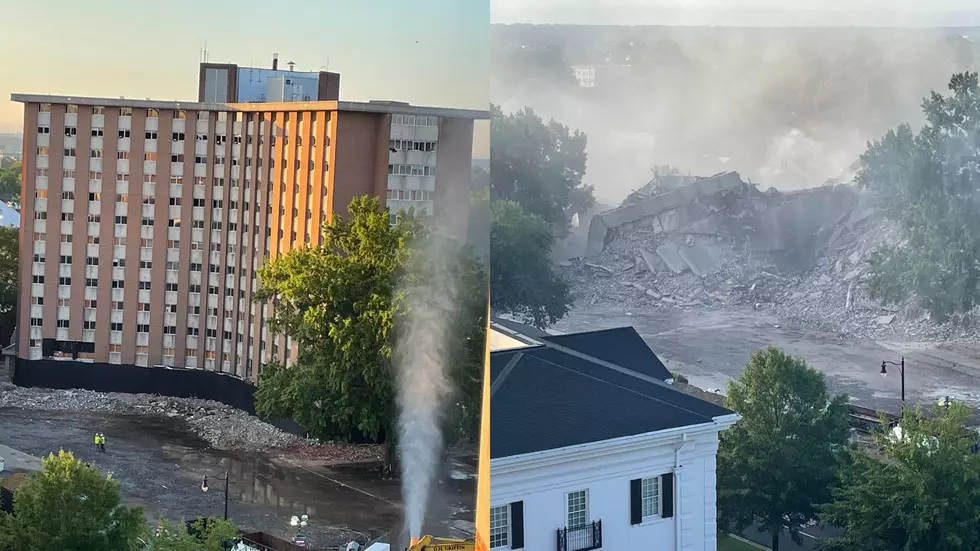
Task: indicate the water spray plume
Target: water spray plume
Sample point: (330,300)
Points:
(421,355)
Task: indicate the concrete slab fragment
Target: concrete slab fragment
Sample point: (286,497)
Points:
(653,262)
(702,260)
(671,256)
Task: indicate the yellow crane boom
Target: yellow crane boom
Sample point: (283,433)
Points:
(429,543)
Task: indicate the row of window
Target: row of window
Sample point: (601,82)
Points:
(409,195)
(144,243)
(415,120)
(411,170)
(646,495)
(410,145)
(176,158)
(128,112)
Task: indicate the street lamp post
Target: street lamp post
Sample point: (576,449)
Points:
(205,488)
(901,370)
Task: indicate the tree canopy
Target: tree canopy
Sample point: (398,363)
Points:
(9,276)
(777,465)
(10,182)
(922,493)
(929,182)
(540,166)
(208,535)
(340,303)
(71,506)
(523,281)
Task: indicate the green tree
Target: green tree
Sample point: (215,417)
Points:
(478,232)
(523,281)
(71,506)
(540,166)
(923,494)
(9,275)
(340,303)
(10,182)
(209,535)
(928,183)
(779,463)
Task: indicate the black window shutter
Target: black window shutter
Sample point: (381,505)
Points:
(517,525)
(636,501)
(667,487)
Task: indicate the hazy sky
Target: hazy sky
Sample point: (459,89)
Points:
(753,12)
(427,52)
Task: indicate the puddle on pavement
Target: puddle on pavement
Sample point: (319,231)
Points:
(264,491)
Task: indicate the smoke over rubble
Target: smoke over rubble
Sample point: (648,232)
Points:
(787,108)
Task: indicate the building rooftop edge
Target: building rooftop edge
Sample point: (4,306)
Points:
(357,106)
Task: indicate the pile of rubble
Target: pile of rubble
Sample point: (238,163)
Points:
(222,426)
(720,242)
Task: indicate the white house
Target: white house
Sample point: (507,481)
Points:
(585,75)
(592,449)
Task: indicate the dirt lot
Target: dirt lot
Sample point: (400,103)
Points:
(160,465)
(712,346)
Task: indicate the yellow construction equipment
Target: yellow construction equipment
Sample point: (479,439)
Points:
(429,543)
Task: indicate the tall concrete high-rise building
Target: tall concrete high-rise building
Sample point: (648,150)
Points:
(144,222)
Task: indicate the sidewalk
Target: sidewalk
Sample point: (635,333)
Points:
(18,461)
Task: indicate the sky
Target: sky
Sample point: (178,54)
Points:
(912,13)
(426,52)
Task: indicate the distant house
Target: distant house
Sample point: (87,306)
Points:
(601,76)
(585,75)
(592,448)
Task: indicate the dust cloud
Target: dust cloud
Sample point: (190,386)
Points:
(421,355)
(789,108)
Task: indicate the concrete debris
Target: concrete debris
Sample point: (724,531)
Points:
(719,242)
(220,425)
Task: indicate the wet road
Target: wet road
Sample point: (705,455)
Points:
(810,537)
(160,465)
(712,347)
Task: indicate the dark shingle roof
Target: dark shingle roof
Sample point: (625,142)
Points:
(621,346)
(546,398)
(520,329)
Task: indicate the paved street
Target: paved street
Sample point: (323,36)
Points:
(711,347)
(811,537)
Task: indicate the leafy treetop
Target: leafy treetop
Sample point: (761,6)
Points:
(922,491)
(539,165)
(522,278)
(72,506)
(930,184)
(778,464)
(340,303)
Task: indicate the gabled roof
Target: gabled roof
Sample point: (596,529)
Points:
(525,333)
(550,396)
(621,345)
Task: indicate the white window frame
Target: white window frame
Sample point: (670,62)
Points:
(651,497)
(500,527)
(568,508)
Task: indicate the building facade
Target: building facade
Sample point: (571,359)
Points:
(651,491)
(594,448)
(145,221)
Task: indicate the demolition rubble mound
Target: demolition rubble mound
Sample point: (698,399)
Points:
(222,426)
(720,242)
